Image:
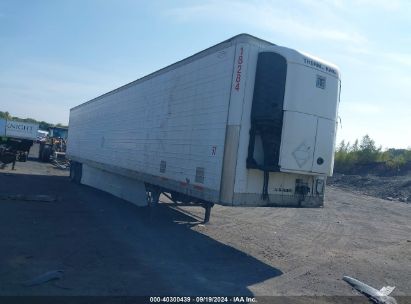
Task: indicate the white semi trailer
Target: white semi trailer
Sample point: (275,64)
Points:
(242,123)
(18,129)
(16,139)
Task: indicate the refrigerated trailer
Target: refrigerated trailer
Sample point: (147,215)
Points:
(242,123)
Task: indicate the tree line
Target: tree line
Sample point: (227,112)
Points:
(365,156)
(42,124)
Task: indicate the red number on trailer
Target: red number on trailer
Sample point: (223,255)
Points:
(239,65)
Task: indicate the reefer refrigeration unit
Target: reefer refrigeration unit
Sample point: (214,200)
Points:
(242,123)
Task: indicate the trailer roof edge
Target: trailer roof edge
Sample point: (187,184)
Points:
(240,38)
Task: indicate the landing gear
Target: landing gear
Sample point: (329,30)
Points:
(207,213)
(153,197)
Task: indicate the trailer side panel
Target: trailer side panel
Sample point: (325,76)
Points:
(172,126)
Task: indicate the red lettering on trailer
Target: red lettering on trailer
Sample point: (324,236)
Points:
(239,65)
(198,187)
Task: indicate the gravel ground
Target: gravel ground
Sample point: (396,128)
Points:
(106,246)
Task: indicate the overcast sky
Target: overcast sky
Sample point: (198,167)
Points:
(57,54)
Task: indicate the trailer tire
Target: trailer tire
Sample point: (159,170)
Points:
(23,157)
(45,153)
(72,172)
(76,171)
(40,151)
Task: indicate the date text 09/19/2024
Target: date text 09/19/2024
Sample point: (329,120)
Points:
(205,299)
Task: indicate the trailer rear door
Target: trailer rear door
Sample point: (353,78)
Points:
(298,141)
(324,150)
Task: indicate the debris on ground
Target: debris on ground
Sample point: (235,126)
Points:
(392,188)
(61,164)
(376,296)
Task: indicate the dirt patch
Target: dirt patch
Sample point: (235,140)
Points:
(393,188)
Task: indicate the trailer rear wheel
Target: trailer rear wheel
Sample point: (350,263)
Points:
(45,153)
(22,157)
